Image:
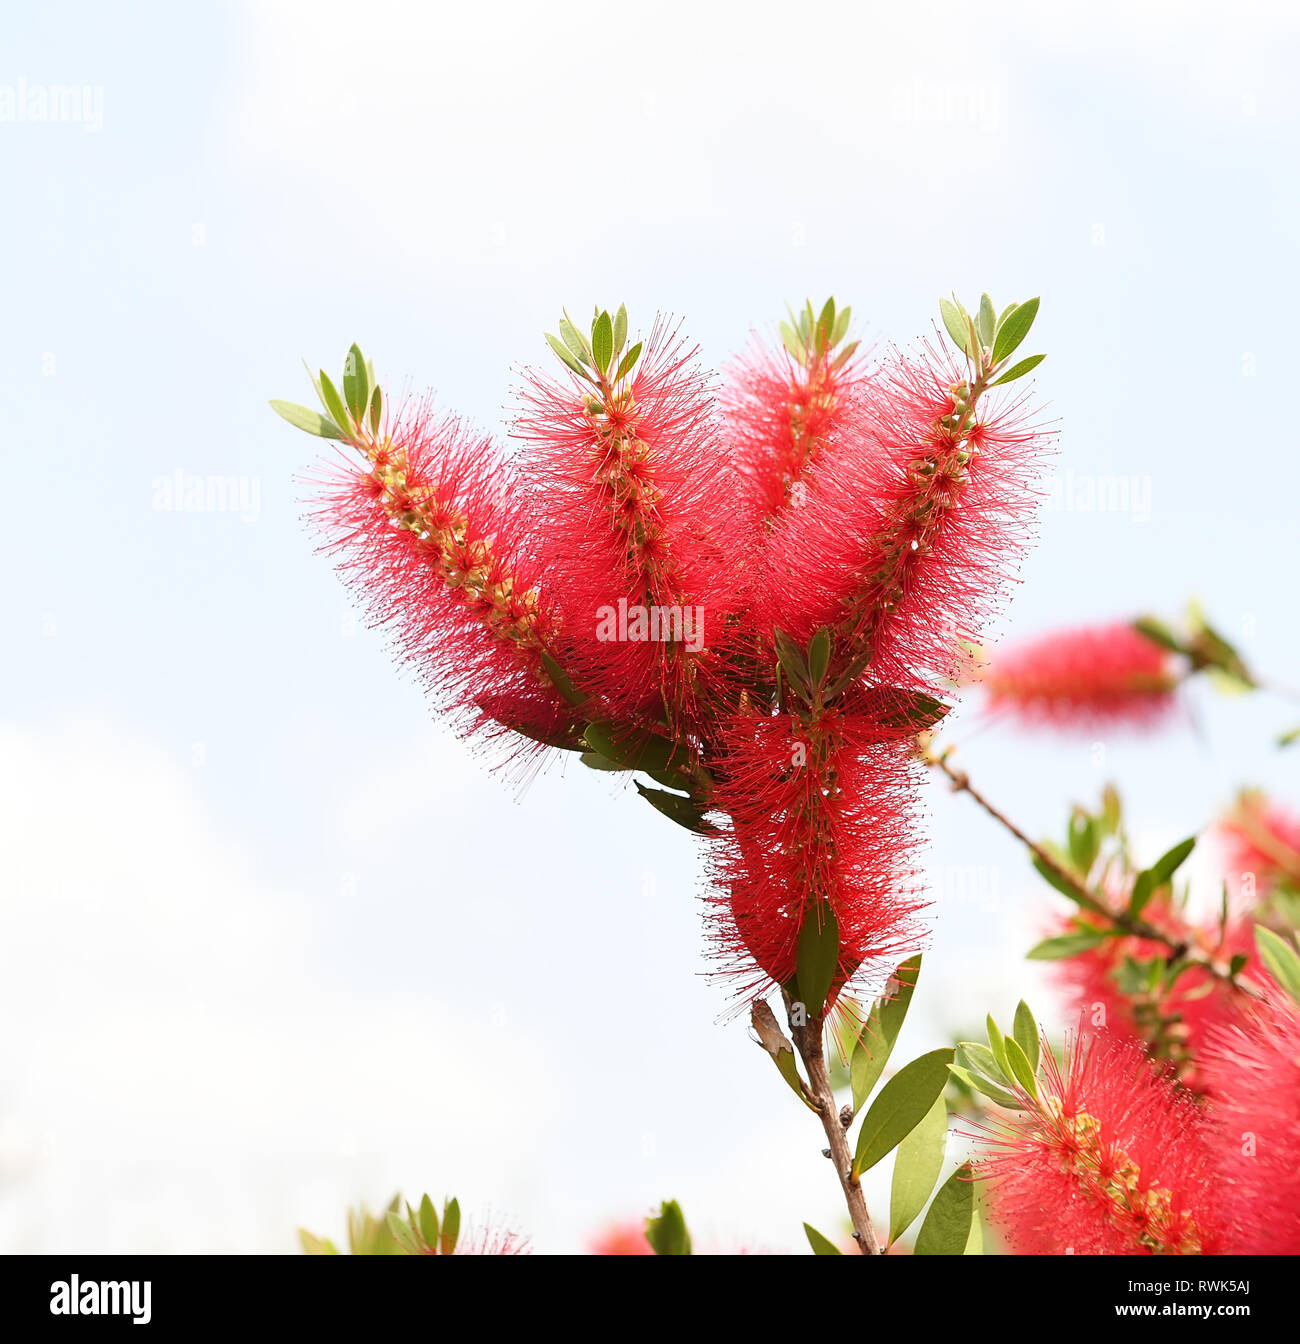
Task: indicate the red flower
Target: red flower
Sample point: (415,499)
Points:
(1174,1023)
(634,504)
(1110,1159)
(910,525)
(1089,678)
(1262,843)
(625,1238)
(820,817)
(429,532)
(1253,1073)
(781,416)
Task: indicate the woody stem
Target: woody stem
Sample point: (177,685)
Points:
(1138,928)
(808,1042)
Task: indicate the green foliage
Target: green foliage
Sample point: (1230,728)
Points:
(947,1227)
(916,1168)
(902,1104)
(821,1245)
(876,1040)
(666,1230)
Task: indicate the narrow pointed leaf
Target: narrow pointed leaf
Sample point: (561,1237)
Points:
(1014,329)
(916,1168)
(902,1104)
(946,1230)
(301,417)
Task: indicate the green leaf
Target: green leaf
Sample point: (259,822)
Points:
(900,1107)
(975,1245)
(593,760)
(986,322)
(946,1230)
(956,324)
(314,1245)
(818,956)
(793,344)
(869,1060)
(450,1227)
(819,656)
(626,363)
(1062,884)
(1280,958)
(1020,1067)
(677,807)
(602,342)
(1158,633)
(635,750)
(356,383)
(566,355)
(376,410)
(300,417)
(998,1045)
(978,1083)
(620,328)
(666,1231)
(821,1245)
(841,326)
(401,1233)
(1066,945)
(333,402)
(1286,739)
(428,1222)
(826,325)
(1150,880)
(792,659)
(1084,840)
(1025,1030)
(913,711)
(1014,329)
(845,355)
(916,1168)
(573,339)
(1019,370)
(980,1059)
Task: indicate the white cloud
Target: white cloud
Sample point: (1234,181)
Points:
(176,1073)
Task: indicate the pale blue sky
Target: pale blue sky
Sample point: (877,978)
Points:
(237,853)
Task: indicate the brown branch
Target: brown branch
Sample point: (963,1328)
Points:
(1138,928)
(808,1042)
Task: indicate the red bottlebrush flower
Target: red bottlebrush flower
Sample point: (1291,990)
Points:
(820,819)
(781,415)
(492,1241)
(1262,843)
(1174,1024)
(1253,1073)
(910,525)
(626,1238)
(1089,678)
(430,535)
(1109,1159)
(636,527)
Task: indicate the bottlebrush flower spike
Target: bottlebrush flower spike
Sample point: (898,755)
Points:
(1172,1022)
(821,839)
(421,514)
(1108,1159)
(626,1238)
(783,406)
(431,538)
(1088,678)
(1253,1075)
(905,542)
(635,518)
(1262,843)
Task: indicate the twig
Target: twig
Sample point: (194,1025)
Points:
(1138,928)
(808,1041)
